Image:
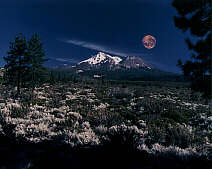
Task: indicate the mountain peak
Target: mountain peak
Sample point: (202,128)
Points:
(101,53)
(101,58)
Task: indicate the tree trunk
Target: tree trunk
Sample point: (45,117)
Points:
(19,77)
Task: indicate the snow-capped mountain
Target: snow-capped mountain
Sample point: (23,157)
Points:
(102,60)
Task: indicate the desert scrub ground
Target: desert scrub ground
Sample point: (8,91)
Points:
(152,117)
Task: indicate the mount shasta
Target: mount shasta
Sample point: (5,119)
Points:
(117,68)
(106,61)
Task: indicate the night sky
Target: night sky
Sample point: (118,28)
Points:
(73,30)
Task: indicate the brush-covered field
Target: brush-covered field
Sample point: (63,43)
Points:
(74,125)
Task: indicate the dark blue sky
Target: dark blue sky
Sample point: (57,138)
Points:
(73,30)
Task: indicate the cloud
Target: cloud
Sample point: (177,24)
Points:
(67,60)
(61,59)
(97,47)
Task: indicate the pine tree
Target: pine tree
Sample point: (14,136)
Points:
(16,64)
(35,57)
(24,62)
(52,77)
(195,16)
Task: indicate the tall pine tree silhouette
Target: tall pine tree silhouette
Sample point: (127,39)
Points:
(195,16)
(24,62)
(35,55)
(16,63)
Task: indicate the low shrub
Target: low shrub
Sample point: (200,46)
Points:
(19,112)
(175,115)
(167,132)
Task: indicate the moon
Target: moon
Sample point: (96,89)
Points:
(149,41)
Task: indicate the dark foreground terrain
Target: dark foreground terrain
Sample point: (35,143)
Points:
(96,124)
(114,155)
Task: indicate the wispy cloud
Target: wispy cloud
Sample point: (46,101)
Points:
(67,60)
(97,47)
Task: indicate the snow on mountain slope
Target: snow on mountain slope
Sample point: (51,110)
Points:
(102,58)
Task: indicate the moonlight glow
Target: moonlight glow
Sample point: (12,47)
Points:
(149,42)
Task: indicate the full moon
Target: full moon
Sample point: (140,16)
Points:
(149,41)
